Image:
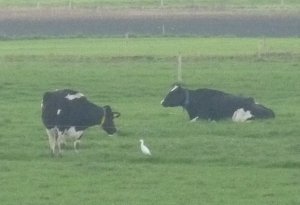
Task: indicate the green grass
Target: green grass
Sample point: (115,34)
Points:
(192,163)
(157,3)
(149,47)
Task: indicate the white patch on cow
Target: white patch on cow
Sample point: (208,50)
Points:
(71,133)
(240,115)
(75,96)
(175,87)
(57,138)
(194,119)
(58,111)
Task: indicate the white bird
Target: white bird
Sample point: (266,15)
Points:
(144,148)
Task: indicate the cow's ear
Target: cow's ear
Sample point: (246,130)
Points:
(116,114)
(179,84)
(107,108)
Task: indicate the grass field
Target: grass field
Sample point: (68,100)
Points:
(193,163)
(156,3)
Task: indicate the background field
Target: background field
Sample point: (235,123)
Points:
(192,163)
(156,3)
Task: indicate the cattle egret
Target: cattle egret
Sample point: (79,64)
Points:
(144,149)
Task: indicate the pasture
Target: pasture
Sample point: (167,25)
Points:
(193,163)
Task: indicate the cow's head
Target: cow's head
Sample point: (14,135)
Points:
(108,121)
(176,97)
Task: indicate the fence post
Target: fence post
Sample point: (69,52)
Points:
(262,48)
(265,46)
(163,29)
(161,3)
(259,48)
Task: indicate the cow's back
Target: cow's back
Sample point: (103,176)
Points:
(53,103)
(215,105)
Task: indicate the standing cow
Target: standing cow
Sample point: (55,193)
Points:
(67,113)
(215,105)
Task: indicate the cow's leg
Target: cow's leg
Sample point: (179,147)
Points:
(74,134)
(52,136)
(77,141)
(60,141)
(77,137)
(63,142)
(194,119)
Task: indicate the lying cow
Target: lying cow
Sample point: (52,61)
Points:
(67,113)
(215,105)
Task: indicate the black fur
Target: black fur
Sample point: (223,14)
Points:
(78,112)
(212,104)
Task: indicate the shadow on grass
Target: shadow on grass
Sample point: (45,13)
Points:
(285,165)
(189,161)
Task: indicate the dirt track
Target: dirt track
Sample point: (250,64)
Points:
(107,22)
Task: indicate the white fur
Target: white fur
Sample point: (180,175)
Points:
(72,97)
(175,87)
(56,138)
(72,134)
(240,115)
(52,136)
(58,111)
(194,119)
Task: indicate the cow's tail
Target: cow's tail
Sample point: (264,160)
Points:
(46,96)
(261,112)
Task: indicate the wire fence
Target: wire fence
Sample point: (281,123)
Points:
(219,4)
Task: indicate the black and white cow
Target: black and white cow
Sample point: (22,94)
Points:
(215,105)
(67,113)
